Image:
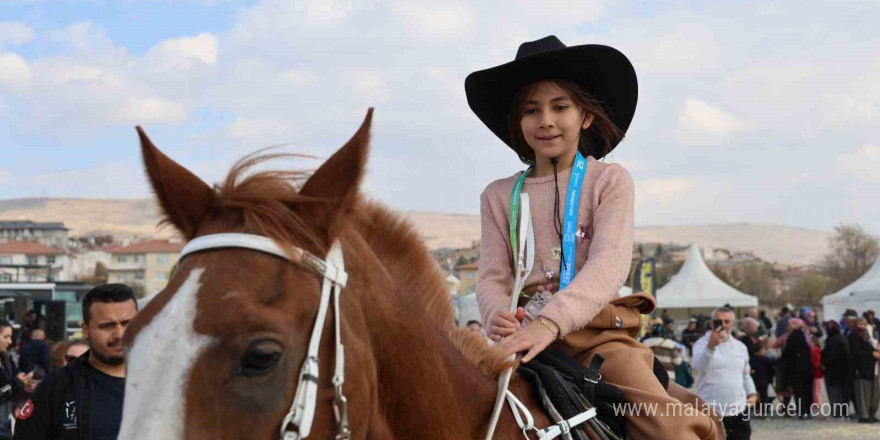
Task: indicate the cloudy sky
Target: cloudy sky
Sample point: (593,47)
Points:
(749,111)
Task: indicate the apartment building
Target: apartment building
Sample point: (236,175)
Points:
(28,262)
(145,266)
(52,234)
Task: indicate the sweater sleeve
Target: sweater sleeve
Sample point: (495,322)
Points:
(494,276)
(610,256)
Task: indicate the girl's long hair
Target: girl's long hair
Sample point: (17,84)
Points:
(597,140)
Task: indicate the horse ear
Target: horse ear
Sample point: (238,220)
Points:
(332,190)
(184,198)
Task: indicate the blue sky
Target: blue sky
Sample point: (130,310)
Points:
(749,111)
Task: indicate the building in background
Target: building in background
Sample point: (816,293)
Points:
(144,266)
(29,262)
(84,264)
(467,277)
(52,234)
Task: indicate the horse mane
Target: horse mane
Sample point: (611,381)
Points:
(265,202)
(391,234)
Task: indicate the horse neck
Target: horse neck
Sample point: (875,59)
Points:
(428,389)
(425,386)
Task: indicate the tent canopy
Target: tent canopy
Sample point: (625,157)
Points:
(695,286)
(863,294)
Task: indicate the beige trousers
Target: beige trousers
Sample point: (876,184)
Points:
(629,365)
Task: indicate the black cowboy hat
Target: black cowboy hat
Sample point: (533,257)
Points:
(602,70)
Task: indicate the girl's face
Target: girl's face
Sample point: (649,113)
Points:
(551,122)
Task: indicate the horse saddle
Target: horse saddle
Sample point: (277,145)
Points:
(566,388)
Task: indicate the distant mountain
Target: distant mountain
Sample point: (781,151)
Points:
(139,217)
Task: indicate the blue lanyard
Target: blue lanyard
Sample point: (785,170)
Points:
(569,228)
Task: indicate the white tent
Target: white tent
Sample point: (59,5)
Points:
(696,287)
(466,308)
(863,294)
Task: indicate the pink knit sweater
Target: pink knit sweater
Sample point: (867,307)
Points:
(604,249)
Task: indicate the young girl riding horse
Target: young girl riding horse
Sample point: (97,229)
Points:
(561,109)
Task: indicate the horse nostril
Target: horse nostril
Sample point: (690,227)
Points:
(259,359)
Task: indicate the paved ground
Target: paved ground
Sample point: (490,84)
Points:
(814,429)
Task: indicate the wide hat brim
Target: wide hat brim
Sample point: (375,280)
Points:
(602,70)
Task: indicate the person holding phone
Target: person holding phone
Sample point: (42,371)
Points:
(726,381)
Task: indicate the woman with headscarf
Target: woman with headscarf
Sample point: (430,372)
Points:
(783,385)
(835,359)
(864,363)
(798,366)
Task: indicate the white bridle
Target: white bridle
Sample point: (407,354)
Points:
(297,424)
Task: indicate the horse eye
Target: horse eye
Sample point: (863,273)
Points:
(259,359)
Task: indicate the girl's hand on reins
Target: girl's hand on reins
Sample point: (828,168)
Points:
(533,339)
(505,324)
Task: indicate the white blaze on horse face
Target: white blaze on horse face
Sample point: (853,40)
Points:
(159,365)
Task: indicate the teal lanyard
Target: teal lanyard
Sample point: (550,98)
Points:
(514,210)
(569,229)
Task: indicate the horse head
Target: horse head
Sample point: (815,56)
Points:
(211,355)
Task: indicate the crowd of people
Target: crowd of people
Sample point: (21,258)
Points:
(45,386)
(739,364)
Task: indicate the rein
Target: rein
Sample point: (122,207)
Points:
(297,424)
(525,258)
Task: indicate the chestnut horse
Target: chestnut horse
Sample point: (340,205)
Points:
(217,354)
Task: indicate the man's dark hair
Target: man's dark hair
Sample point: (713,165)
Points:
(107,293)
(785,310)
(4,323)
(473,321)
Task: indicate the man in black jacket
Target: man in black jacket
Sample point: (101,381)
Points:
(83,400)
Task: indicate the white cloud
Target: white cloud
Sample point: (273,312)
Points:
(14,32)
(184,53)
(864,164)
(112,180)
(703,123)
(282,17)
(438,21)
(89,42)
(369,86)
(14,70)
(559,12)
(5,176)
(664,190)
(859,107)
(258,128)
(326,12)
(296,77)
(143,110)
(688,47)
(59,72)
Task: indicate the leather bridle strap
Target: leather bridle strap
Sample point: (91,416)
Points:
(297,424)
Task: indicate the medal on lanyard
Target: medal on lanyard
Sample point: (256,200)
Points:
(569,228)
